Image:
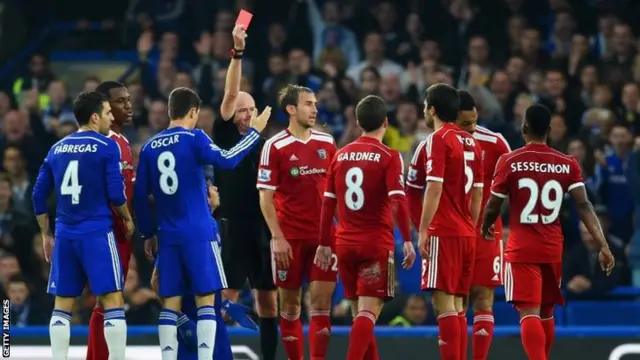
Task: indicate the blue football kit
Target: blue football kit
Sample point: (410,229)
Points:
(84,170)
(171,169)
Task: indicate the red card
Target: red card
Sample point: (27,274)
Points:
(244,19)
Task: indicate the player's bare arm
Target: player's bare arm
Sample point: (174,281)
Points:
(401,215)
(491,213)
(429,206)
(475,205)
(125,215)
(279,246)
(591,222)
(323,253)
(234,75)
(47,237)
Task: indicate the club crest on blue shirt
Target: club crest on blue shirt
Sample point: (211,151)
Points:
(322,154)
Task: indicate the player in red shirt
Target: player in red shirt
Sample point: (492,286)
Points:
(120,101)
(291,177)
(450,210)
(488,254)
(535,178)
(366,183)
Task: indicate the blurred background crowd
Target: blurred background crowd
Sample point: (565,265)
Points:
(580,58)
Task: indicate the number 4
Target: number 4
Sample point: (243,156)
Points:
(70,184)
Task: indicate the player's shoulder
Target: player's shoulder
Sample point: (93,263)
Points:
(322,137)
(279,140)
(485,135)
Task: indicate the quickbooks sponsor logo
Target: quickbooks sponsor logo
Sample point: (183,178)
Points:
(304,170)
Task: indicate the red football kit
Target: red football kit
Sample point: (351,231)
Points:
(96,345)
(488,254)
(297,170)
(119,228)
(453,158)
(535,179)
(364,179)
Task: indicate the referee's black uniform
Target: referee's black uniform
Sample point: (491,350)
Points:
(245,236)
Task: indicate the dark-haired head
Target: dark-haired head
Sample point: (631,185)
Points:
(468,116)
(184,104)
(441,103)
(299,104)
(119,99)
(536,124)
(92,111)
(371,113)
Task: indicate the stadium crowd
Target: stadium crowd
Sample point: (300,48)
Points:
(581,59)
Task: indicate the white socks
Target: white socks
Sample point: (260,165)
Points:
(60,334)
(115,333)
(206,330)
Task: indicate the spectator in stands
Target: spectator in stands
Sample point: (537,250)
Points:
(37,79)
(163,16)
(374,50)
(327,31)
(14,163)
(415,312)
(25,310)
(142,303)
(9,266)
(612,184)
(16,227)
(633,248)
(15,130)
(582,276)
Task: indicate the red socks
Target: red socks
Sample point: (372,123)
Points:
(292,336)
(372,350)
(482,334)
(361,335)
(449,339)
(533,337)
(97,345)
(319,333)
(549,326)
(464,334)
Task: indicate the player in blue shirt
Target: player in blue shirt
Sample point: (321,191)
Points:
(171,170)
(187,342)
(84,170)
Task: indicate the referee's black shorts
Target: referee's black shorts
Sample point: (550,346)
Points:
(245,252)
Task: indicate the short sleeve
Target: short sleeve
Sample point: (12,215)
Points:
(500,187)
(268,171)
(575,176)
(417,175)
(436,158)
(478,167)
(395,175)
(330,184)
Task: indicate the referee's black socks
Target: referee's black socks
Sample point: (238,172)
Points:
(269,337)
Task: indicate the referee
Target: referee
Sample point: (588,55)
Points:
(245,240)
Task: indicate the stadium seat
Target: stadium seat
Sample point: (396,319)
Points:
(584,313)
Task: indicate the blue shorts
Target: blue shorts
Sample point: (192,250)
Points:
(193,267)
(91,258)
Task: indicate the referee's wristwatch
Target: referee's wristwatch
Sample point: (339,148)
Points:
(237,53)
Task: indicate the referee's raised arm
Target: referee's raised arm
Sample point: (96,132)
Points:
(234,75)
(245,239)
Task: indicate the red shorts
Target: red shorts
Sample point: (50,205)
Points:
(366,271)
(449,266)
(487,266)
(302,266)
(533,285)
(124,250)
